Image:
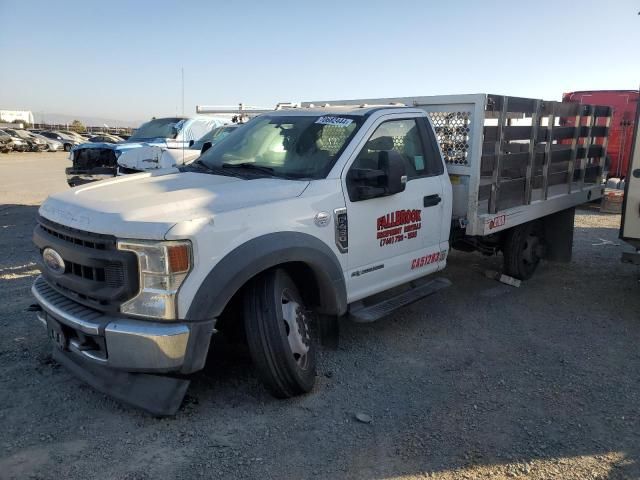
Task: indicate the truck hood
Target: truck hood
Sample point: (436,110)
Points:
(151,157)
(116,147)
(147,205)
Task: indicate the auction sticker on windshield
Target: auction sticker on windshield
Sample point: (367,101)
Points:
(337,121)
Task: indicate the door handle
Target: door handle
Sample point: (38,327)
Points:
(432,200)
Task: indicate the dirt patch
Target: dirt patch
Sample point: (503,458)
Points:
(481,380)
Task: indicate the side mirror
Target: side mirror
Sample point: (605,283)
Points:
(191,142)
(388,179)
(205,146)
(392,163)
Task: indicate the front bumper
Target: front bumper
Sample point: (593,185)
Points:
(124,343)
(38,147)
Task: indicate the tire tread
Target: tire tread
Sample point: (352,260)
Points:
(265,338)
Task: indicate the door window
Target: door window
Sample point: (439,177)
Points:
(399,135)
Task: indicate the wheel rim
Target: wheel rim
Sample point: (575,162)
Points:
(531,251)
(296,328)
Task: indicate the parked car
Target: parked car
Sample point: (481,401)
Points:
(67,142)
(72,134)
(17,144)
(52,145)
(96,161)
(34,144)
(170,157)
(5,143)
(105,138)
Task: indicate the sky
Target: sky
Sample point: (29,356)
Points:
(123,59)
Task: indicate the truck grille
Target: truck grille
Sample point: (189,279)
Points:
(96,273)
(90,158)
(71,239)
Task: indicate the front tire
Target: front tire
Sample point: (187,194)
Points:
(278,333)
(67,147)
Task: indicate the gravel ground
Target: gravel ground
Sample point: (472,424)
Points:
(481,380)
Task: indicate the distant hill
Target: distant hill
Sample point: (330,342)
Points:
(58,118)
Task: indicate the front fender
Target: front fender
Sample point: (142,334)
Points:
(262,253)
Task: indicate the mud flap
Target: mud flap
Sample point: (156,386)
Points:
(558,234)
(158,395)
(329,331)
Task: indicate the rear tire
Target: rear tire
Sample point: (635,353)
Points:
(523,249)
(278,333)
(67,147)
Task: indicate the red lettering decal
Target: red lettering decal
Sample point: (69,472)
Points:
(498,221)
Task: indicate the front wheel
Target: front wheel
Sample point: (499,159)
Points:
(67,147)
(278,333)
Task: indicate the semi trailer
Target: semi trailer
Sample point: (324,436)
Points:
(303,218)
(623,105)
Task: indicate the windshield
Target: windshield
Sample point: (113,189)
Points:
(213,136)
(69,133)
(159,128)
(12,132)
(62,135)
(290,146)
(21,134)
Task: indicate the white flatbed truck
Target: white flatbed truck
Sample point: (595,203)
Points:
(299,219)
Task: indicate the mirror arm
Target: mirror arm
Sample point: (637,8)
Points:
(206,146)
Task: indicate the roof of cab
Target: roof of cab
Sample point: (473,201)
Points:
(361,110)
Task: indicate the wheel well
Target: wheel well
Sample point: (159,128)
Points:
(303,275)
(231,319)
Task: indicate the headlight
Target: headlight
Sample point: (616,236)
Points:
(163,266)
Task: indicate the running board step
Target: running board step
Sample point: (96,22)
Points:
(365,314)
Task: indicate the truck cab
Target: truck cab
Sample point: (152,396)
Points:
(348,201)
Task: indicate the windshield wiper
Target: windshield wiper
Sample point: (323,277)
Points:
(250,166)
(200,165)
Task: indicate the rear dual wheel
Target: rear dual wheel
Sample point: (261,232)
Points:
(523,249)
(278,329)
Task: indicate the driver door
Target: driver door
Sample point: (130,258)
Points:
(396,238)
